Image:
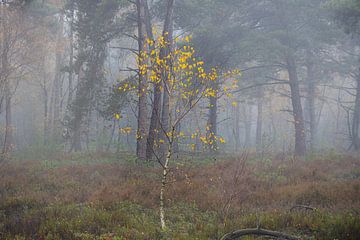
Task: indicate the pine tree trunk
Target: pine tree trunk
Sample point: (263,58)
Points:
(310,100)
(142,88)
(165,114)
(259,122)
(248,116)
(76,144)
(8,140)
(355,128)
(300,139)
(154,121)
(154,128)
(56,99)
(71,59)
(46,116)
(55,126)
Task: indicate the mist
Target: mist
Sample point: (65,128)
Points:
(179,119)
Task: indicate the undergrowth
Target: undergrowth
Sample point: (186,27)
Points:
(108,197)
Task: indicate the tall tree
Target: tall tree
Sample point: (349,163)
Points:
(347,12)
(15,57)
(142,84)
(165,52)
(157,95)
(94,27)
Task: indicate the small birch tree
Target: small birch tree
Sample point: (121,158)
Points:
(185,80)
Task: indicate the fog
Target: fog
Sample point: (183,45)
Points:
(153,86)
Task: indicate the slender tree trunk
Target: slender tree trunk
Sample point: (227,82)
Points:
(118,137)
(154,128)
(108,146)
(310,100)
(237,127)
(212,124)
(154,121)
(142,88)
(71,59)
(163,186)
(259,122)
(55,128)
(99,133)
(248,116)
(355,128)
(165,123)
(46,116)
(165,114)
(76,144)
(165,117)
(300,139)
(8,140)
(176,147)
(56,98)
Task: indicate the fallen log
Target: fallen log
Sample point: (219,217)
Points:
(235,235)
(306,207)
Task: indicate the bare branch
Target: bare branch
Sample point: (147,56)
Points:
(257,232)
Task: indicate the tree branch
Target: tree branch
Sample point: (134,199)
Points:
(257,232)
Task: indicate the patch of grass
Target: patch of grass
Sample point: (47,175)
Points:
(126,220)
(112,197)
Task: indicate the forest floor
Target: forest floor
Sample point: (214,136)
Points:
(104,196)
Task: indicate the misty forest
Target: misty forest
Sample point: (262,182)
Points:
(179,119)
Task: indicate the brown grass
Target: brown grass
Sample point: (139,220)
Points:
(233,183)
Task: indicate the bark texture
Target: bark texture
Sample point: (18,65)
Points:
(259,121)
(355,138)
(300,139)
(212,124)
(154,127)
(142,88)
(165,114)
(310,99)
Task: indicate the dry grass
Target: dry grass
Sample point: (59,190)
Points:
(227,188)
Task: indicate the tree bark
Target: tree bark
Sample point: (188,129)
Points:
(300,139)
(163,186)
(237,126)
(310,100)
(71,58)
(259,121)
(156,105)
(56,93)
(46,115)
(76,144)
(165,114)
(8,140)
(142,88)
(355,138)
(247,122)
(212,124)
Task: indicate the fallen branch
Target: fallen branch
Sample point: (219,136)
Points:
(257,232)
(302,207)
